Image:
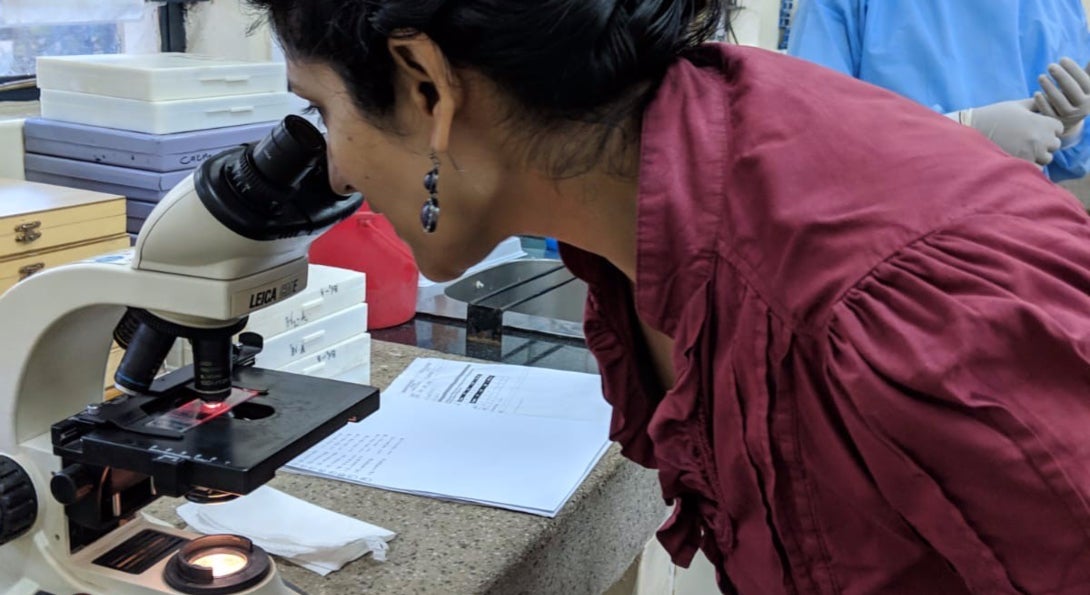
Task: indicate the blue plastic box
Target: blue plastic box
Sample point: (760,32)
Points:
(150,152)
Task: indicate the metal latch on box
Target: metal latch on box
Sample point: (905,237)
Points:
(28,232)
(30,269)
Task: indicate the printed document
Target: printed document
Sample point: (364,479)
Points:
(508,436)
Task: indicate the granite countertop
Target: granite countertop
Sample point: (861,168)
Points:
(452,548)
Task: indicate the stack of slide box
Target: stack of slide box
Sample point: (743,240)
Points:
(320,332)
(137,125)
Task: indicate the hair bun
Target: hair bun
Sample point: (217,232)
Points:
(560,60)
(567,56)
(647,35)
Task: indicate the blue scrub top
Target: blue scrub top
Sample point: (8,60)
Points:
(949,54)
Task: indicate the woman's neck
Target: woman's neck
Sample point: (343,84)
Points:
(595,210)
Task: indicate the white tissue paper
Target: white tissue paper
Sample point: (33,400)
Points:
(56,12)
(315,538)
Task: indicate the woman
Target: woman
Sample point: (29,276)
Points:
(987,63)
(859,366)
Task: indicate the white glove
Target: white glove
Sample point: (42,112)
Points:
(1016,128)
(1065,95)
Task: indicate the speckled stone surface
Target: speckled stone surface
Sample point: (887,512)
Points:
(450,548)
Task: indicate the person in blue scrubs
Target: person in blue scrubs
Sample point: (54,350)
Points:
(994,65)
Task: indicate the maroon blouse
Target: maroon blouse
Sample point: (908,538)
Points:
(883,340)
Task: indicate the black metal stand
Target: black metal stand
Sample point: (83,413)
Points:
(172,24)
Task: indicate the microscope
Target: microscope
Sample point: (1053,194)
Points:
(76,468)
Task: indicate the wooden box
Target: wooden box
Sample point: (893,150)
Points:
(116,353)
(43,226)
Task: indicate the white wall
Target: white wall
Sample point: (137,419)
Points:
(142,37)
(757,23)
(220,28)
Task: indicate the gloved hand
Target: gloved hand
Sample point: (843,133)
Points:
(1065,95)
(1017,129)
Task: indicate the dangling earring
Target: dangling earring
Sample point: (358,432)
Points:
(429,214)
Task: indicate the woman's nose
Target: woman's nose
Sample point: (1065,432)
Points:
(337,182)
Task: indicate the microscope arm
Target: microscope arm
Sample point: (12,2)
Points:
(230,239)
(246,211)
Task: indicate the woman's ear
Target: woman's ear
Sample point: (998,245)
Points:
(434,91)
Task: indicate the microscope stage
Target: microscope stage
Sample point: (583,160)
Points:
(274,418)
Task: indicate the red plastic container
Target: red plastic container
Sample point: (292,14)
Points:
(367,242)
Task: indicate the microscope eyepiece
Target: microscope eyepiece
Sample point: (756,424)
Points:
(287,154)
(275,189)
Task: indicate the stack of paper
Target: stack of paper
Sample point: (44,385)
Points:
(506,436)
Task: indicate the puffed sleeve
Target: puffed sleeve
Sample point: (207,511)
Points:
(961,368)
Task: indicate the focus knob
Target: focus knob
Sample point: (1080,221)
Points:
(18,501)
(71,484)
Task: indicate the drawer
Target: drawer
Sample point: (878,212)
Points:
(15,269)
(329,290)
(283,349)
(36,217)
(334,360)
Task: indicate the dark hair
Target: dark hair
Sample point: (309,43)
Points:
(582,61)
